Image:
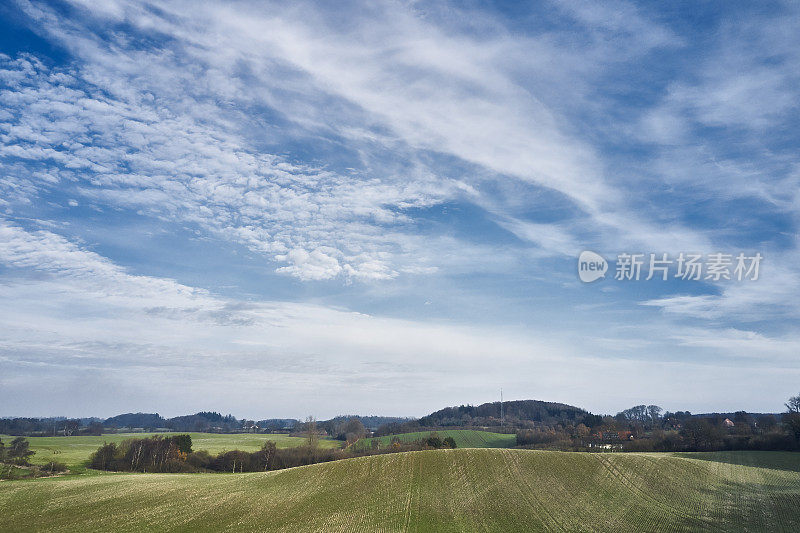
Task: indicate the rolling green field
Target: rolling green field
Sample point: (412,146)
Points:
(465,438)
(436,490)
(74,451)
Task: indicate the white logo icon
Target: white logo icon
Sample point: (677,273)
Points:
(591,266)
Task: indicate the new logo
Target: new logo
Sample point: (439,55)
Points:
(591,266)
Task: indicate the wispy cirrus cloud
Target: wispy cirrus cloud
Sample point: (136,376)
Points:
(392,80)
(135,153)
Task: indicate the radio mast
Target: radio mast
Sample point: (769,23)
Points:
(501,409)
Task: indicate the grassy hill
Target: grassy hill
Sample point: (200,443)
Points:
(437,490)
(74,451)
(465,438)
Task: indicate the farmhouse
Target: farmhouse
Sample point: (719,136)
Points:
(615,436)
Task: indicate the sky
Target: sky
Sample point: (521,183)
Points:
(311,208)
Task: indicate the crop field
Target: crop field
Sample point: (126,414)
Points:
(435,490)
(465,438)
(74,451)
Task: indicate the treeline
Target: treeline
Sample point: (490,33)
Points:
(204,421)
(649,428)
(697,435)
(542,416)
(348,429)
(518,413)
(339,426)
(174,454)
(38,427)
(709,434)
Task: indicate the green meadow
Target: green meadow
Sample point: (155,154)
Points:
(438,490)
(465,438)
(75,450)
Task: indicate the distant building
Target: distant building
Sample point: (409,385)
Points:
(728,423)
(615,436)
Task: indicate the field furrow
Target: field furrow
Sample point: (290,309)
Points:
(493,490)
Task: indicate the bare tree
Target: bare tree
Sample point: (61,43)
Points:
(654,412)
(312,436)
(793,405)
(791,419)
(353,430)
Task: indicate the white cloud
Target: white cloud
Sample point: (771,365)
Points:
(620,24)
(192,167)
(551,238)
(741,343)
(82,322)
(721,126)
(88,315)
(771,297)
(173,136)
(314,265)
(390,79)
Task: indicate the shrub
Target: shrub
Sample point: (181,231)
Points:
(199,459)
(53,467)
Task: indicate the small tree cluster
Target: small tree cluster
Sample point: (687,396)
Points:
(151,454)
(351,431)
(435,441)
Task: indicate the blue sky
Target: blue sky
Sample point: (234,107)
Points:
(282,210)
